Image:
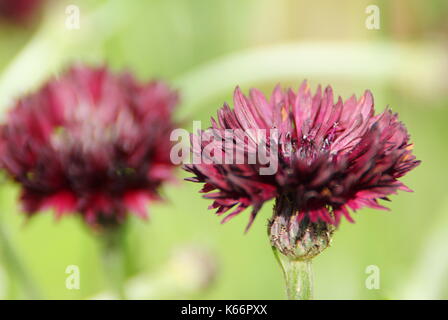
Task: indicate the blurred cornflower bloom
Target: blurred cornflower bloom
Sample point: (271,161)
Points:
(331,157)
(90,142)
(19,11)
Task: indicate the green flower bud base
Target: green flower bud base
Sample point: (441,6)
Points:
(295,242)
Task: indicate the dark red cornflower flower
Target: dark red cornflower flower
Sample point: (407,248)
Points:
(19,11)
(331,157)
(90,142)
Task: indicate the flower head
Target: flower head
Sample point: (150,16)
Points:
(330,157)
(90,142)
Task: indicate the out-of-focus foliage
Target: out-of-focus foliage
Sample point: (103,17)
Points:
(206,48)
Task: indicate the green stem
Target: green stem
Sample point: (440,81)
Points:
(298,275)
(15,267)
(299,280)
(114,257)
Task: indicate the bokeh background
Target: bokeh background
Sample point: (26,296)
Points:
(205,48)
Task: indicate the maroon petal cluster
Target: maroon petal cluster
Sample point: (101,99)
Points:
(90,142)
(333,156)
(19,11)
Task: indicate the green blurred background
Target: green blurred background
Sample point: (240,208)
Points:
(205,48)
